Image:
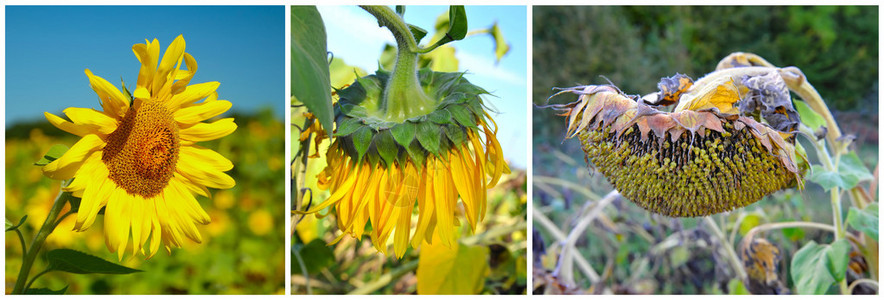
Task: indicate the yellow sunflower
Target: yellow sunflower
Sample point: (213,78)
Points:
(137,157)
(381,172)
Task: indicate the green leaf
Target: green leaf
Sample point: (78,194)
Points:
(72,261)
(462,115)
(386,146)
(829,179)
(400,10)
(810,269)
(457,22)
(348,126)
(501,47)
(795,234)
(417,32)
(750,221)
(851,171)
(429,135)
(45,291)
(736,287)
(808,116)
(11,227)
(362,140)
(838,255)
(679,256)
(54,153)
(865,220)
(316,255)
(404,133)
(851,166)
(310,75)
(456,270)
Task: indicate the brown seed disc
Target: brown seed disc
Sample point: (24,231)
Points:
(141,154)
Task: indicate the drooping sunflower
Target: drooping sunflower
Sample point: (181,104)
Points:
(138,158)
(706,156)
(381,169)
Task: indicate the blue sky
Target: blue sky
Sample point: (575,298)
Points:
(48,48)
(354,36)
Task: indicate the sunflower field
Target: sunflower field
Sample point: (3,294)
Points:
(242,250)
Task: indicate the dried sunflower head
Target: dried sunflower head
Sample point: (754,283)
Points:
(701,159)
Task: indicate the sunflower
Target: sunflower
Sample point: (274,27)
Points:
(706,156)
(381,172)
(137,157)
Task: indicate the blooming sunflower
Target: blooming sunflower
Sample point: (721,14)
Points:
(137,157)
(380,172)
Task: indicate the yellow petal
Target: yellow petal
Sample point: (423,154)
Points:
(208,131)
(192,94)
(68,126)
(147,54)
(112,100)
(189,203)
(116,224)
(173,54)
(141,94)
(94,197)
(201,112)
(156,228)
(723,97)
(183,77)
(91,117)
(138,224)
(206,157)
(67,165)
(203,174)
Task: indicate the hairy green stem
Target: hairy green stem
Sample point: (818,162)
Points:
(403,96)
(37,244)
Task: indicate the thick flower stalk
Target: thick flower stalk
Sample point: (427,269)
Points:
(704,157)
(409,141)
(138,158)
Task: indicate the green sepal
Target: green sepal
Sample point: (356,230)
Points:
(404,133)
(417,154)
(348,126)
(463,115)
(429,135)
(361,141)
(386,146)
(440,117)
(55,152)
(456,134)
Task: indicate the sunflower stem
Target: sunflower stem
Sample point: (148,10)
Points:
(732,255)
(403,96)
(37,244)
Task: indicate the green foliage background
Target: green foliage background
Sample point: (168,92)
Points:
(242,250)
